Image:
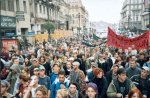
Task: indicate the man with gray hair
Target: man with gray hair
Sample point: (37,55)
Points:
(77,75)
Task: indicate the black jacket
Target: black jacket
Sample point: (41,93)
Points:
(102,85)
(141,84)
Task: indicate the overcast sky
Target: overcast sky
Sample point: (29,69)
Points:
(104,10)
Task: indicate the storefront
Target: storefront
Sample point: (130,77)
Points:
(8,26)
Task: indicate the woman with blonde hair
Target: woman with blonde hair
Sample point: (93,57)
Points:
(62,93)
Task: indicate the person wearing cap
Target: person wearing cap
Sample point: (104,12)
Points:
(92,90)
(142,81)
(4,86)
(120,86)
(77,75)
(112,73)
(44,79)
(36,71)
(35,64)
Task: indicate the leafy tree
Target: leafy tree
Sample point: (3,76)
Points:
(49,26)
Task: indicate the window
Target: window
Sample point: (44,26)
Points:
(25,6)
(3,4)
(10,5)
(40,8)
(44,9)
(17,5)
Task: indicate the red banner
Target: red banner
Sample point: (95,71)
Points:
(140,42)
(8,43)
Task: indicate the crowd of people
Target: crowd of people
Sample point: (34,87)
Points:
(70,69)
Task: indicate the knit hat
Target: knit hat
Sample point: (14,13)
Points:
(94,86)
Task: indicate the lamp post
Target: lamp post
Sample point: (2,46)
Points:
(79,22)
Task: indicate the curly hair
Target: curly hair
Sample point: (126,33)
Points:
(43,89)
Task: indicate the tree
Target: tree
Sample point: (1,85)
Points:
(49,26)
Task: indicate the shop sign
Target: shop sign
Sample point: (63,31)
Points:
(10,34)
(20,15)
(8,22)
(31,33)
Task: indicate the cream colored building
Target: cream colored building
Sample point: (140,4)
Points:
(78,16)
(10,8)
(131,14)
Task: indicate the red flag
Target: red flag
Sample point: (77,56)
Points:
(117,41)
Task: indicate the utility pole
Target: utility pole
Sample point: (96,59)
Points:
(79,23)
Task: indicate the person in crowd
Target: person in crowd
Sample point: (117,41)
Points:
(148,62)
(77,75)
(23,85)
(41,92)
(35,64)
(14,72)
(25,72)
(55,60)
(67,68)
(90,74)
(33,85)
(27,62)
(62,93)
(36,71)
(92,90)
(130,59)
(101,82)
(73,91)
(102,63)
(4,54)
(44,79)
(141,60)
(133,69)
(120,86)
(108,60)
(56,68)
(142,81)
(4,86)
(134,93)
(60,83)
(112,74)
(42,61)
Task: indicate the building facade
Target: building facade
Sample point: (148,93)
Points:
(146,15)
(131,15)
(79,16)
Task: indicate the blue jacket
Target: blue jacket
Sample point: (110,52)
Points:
(56,86)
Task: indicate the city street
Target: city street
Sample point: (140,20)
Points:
(75,49)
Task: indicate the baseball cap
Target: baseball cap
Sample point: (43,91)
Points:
(41,68)
(121,71)
(145,68)
(35,59)
(5,83)
(71,59)
(76,63)
(36,69)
